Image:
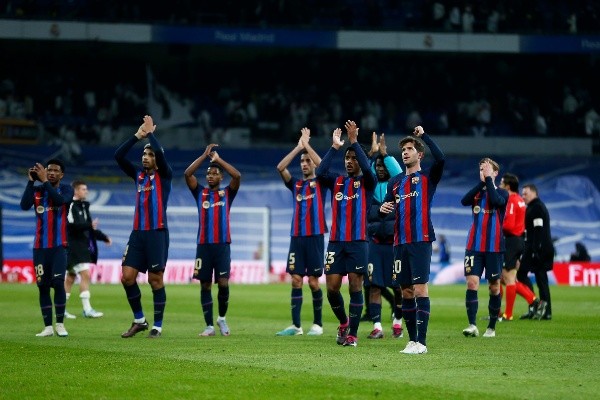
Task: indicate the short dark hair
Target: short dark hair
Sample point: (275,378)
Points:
(531,187)
(56,161)
(76,183)
(148,146)
(215,165)
(512,181)
(418,143)
(381,157)
(350,148)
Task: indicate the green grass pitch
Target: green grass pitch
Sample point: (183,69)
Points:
(558,359)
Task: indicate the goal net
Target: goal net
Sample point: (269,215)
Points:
(250,242)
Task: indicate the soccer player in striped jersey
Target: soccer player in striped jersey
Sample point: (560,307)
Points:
(148,246)
(50,201)
(305,256)
(485,245)
(213,253)
(410,195)
(347,251)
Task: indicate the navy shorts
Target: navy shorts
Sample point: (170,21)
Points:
(381,265)
(147,250)
(412,263)
(477,261)
(514,248)
(345,257)
(305,257)
(212,260)
(49,264)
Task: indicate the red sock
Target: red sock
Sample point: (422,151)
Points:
(525,292)
(511,295)
(501,294)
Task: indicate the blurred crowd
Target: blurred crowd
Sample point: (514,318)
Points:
(276,93)
(476,95)
(541,16)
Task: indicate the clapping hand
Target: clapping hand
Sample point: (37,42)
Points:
(374,145)
(337,138)
(352,130)
(304,138)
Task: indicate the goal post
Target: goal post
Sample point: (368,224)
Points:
(250,242)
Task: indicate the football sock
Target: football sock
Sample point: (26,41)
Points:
(355,310)
(296,303)
(318,307)
(494,308)
(398,308)
(423,311)
(223,300)
(511,295)
(524,291)
(409,312)
(134,297)
(472,305)
(207,306)
(375,312)
(60,300)
(85,300)
(46,304)
(336,301)
(367,297)
(160,301)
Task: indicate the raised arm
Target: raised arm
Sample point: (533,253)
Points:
(337,142)
(236,177)
(27,197)
(161,162)
(304,139)
(190,178)
(498,197)
(468,199)
(285,161)
(361,157)
(439,159)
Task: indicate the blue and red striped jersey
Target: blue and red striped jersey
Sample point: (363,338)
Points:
(413,195)
(151,202)
(213,214)
(51,211)
(350,197)
(488,205)
(350,201)
(152,189)
(309,207)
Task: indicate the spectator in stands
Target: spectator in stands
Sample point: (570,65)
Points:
(50,241)
(148,245)
(306,252)
(213,252)
(580,253)
(347,250)
(83,234)
(485,245)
